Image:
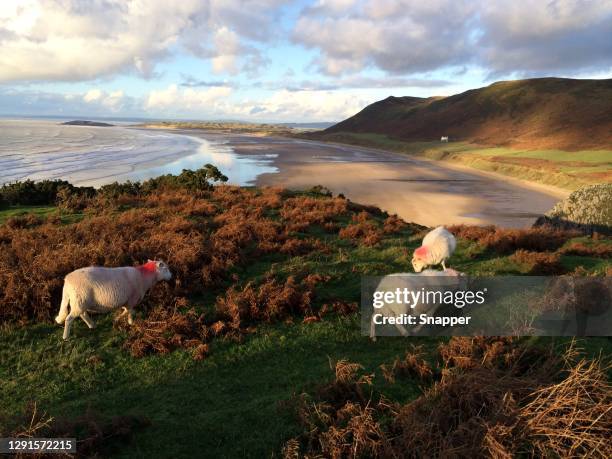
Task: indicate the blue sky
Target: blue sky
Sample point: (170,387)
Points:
(274,60)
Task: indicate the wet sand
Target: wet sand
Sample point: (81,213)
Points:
(421,191)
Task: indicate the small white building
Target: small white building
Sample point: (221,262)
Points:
(444,138)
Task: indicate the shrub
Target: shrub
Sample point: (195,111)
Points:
(271,301)
(116,189)
(44,192)
(47,192)
(393,224)
(98,436)
(24,221)
(363,230)
(198,180)
(599,250)
(165,330)
(301,212)
(539,404)
(539,263)
(412,365)
(506,241)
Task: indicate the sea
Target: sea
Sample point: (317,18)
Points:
(39,149)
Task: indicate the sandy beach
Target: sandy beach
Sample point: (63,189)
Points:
(422,191)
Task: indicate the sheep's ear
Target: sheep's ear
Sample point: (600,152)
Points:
(149,260)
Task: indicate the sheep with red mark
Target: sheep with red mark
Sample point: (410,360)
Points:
(98,290)
(437,247)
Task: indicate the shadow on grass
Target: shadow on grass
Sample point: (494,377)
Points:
(225,406)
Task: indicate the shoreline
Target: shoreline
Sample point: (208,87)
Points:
(419,190)
(561,193)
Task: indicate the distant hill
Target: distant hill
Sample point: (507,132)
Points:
(538,113)
(86,123)
(316,125)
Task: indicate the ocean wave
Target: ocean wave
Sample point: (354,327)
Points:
(35,149)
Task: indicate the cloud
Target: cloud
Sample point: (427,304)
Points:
(503,37)
(303,105)
(174,99)
(191,82)
(406,36)
(546,37)
(92,103)
(360,82)
(71,40)
(92,95)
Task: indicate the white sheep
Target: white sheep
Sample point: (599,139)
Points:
(437,247)
(447,280)
(97,289)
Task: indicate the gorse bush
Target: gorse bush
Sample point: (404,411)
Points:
(45,192)
(49,192)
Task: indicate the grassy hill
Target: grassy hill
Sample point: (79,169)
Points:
(553,131)
(542,113)
(232,357)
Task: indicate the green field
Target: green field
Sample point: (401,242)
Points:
(18,211)
(564,169)
(232,403)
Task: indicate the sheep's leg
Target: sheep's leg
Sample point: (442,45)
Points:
(372,330)
(402,330)
(443,265)
(88,320)
(63,312)
(130,313)
(123,312)
(67,323)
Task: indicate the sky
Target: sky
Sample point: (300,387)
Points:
(282,61)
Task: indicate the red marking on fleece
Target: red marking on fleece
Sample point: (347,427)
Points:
(148,268)
(421,252)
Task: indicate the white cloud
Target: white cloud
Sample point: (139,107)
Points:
(113,101)
(217,102)
(94,102)
(307,105)
(92,95)
(503,36)
(553,36)
(407,36)
(177,100)
(71,40)
(227,45)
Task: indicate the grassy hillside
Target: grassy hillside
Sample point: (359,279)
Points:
(543,113)
(261,310)
(553,131)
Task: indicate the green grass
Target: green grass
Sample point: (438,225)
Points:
(39,211)
(226,406)
(18,211)
(232,403)
(214,405)
(562,171)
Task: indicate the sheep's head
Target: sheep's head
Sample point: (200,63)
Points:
(162,272)
(419,259)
